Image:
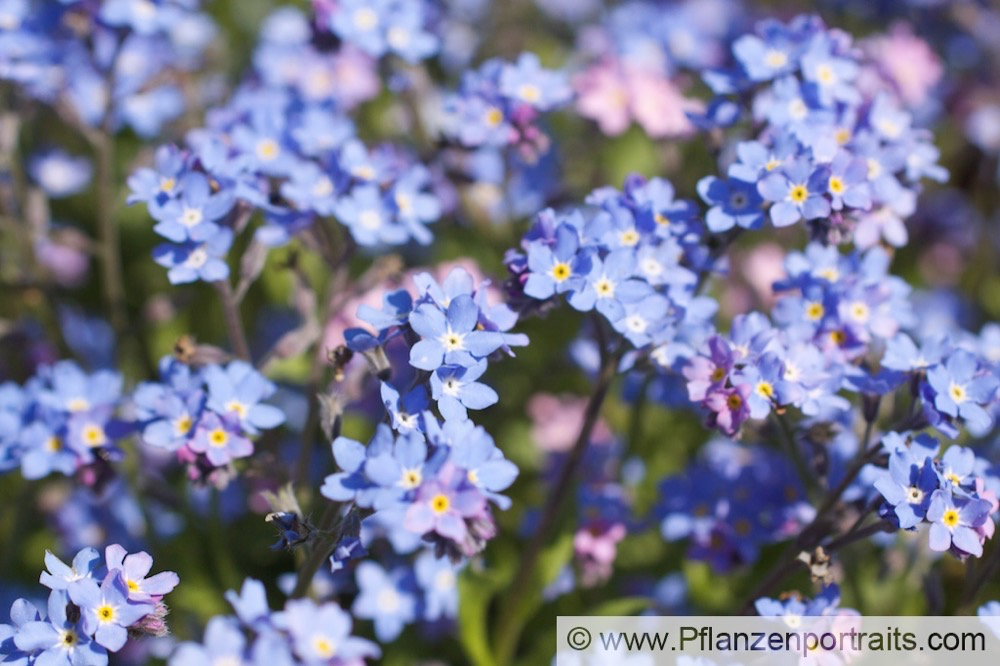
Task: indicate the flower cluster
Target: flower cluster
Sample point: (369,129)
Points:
(113,64)
(827,153)
(630,257)
(793,609)
(500,104)
(303,633)
(400,595)
(94,606)
(205,415)
(283,146)
(949,492)
(432,479)
(62,420)
(735,501)
(399,27)
(830,310)
(639,50)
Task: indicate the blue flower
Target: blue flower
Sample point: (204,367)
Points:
(954,521)
(908,486)
(958,391)
(608,285)
(450,337)
(485,467)
(224,641)
(58,640)
(957,466)
(848,183)
(385,597)
(44,451)
(437,578)
(194,213)
(196,261)
(237,391)
(734,203)
(797,192)
(398,471)
(323,633)
(60,575)
(351,484)
(527,82)
(60,174)
(455,389)
(219,439)
(831,74)
(370,221)
(22,612)
(558,268)
(404,410)
(106,610)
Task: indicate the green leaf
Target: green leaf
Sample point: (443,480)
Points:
(475,591)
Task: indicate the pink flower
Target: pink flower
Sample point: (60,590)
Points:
(906,61)
(614,94)
(556,421)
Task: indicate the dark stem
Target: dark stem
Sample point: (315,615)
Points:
(234,324)
(510,620)
(818,529)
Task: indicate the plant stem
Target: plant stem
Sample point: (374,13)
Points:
(109,247)
(234,324)
(510,620)
(816,530)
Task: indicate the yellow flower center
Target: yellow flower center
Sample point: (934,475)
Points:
(605,288)
(182,426)
(950,518)
(529,93)
(53,444)
(237,408)
(718,374)
(734,401)
(842,136)
(661,219)
(494,116)
(838,337)
(105,613)
(825,74)
(561,271)
(268,149)
(629,237)
(68,638)
(440,503)
(814,311)
(324,647)
(218,437)
(93,435)
(775,58)
(765,389)
(798,193)
(957,393)
(453,341)
(836,185)
(860,311)
(411,478)
(132,585)
(168,184)
(78,405)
